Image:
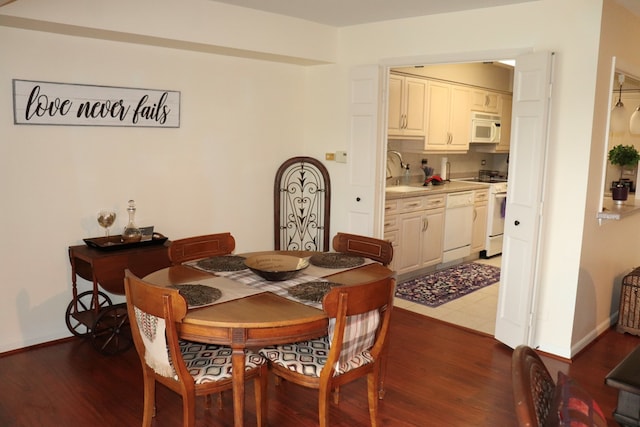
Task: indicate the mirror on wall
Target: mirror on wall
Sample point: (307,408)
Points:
(624,100)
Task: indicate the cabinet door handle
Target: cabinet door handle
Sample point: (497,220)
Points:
(475,214)
(425,224)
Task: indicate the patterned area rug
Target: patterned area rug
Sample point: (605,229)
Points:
(446,285)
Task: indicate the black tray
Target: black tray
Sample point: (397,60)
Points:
(114,243)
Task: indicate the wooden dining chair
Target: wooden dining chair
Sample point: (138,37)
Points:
(368,247)
(533,387)
(197,247)
(188,368)
(359,322)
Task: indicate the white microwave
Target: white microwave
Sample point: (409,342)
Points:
(485,128)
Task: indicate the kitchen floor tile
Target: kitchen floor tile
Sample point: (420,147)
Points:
(475,311)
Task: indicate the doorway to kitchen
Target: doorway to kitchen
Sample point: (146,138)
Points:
(449,152)
(532,100)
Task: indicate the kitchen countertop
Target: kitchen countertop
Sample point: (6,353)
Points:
(415,190)
(612,210)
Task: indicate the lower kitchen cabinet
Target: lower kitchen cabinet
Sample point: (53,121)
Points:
(433,237)
(479,228)
(416,231)
(391,230)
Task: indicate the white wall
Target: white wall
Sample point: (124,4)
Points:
(609,250)
(240,119)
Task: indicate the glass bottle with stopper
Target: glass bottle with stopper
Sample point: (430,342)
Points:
(131,233)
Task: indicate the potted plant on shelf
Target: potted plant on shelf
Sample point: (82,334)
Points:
(623,156)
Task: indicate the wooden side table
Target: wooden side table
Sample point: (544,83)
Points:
(626,378)
(91,313)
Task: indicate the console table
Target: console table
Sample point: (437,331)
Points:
(626,378)
(106,268)
(91,313)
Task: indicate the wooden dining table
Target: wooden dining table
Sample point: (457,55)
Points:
(257,320)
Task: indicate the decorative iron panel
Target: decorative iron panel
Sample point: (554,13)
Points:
(302,205)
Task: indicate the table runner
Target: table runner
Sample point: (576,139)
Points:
(230,289)
(249,278)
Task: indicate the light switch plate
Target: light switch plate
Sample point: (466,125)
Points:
(341,156)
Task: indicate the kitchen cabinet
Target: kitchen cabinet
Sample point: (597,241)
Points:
(480,216)
(407,106)
(448,116)
(505,125)
(485,101)
(415,226)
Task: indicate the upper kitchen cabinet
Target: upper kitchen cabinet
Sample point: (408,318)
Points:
(505,125)
(485,101)
(407,106)
(447,117)
(503,146)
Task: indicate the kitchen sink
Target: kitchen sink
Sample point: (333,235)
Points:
(405,188)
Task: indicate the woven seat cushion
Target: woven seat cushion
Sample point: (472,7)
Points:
(207,362)
(309,357)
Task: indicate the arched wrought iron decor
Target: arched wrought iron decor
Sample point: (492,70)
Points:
(302,203)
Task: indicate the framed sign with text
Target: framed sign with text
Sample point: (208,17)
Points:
(67,104)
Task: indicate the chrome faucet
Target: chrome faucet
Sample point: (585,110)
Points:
(397,153)
(402,164)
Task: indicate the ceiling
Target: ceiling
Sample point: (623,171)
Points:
(341,13)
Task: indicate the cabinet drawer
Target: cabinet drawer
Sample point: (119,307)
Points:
(434,202)
(392,236)
(412,204)
(390,223)
(390,207)
(481,196)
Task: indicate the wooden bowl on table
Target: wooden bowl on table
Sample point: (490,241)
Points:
(276,267)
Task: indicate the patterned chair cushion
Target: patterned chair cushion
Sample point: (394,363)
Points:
(207,362)
(309,357)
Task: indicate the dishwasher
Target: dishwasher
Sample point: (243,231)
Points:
(458,221)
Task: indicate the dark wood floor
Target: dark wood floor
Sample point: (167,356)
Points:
(438,375)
